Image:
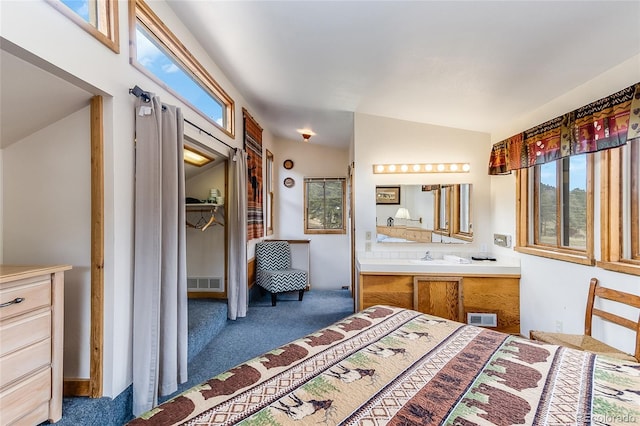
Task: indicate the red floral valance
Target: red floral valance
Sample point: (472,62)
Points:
(603,124)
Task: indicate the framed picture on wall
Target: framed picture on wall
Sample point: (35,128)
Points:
(387,195)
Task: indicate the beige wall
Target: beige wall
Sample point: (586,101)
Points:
(205,249)
(100,71)
(330,255)
(553,293)
(387,140)
(47,212)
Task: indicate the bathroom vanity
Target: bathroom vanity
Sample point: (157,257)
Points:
(481,292)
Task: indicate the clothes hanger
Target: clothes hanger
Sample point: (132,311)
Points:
(211,221)
(201,222)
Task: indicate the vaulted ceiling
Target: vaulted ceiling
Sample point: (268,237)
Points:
(465,64)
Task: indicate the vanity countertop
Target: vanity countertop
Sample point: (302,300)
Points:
(502,266)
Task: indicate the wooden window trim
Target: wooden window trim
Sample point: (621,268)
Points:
(524,226)
(140,11)
(611,214)
(269,184)
(455,219)
(437,228)
(108,20)
(343,230)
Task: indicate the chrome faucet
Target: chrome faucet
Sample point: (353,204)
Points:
(427,256)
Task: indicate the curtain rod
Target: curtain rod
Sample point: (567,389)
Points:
(146,97)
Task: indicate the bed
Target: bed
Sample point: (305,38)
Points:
(388,365)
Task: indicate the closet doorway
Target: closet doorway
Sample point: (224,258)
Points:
(206,188)
(52,161)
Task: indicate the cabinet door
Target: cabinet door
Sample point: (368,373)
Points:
(439,296)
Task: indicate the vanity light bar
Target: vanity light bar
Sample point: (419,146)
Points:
(421,168)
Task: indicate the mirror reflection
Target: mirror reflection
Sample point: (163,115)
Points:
(424,213)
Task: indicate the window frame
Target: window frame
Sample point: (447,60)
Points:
(107,16)
(457,206)
(269,191)
(527,218)
(613,172)
(307,230)
(140,12)
(438,227)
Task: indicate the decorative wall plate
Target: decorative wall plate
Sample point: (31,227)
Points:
(288,164)
(289,182)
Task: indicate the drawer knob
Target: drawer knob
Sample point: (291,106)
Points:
(12,302)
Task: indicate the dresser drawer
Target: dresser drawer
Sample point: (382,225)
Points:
(20,363)
(25,396)
(24,331)
(35,293)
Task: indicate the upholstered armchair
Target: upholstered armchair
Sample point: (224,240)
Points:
(274,272)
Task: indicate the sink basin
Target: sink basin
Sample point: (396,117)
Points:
(430,262)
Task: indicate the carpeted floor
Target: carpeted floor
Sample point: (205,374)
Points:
(264,328)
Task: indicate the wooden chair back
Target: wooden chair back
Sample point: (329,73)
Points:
(595,290)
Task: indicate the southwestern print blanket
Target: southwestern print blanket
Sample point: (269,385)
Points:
(393,366)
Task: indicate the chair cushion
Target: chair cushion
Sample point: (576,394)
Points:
(581,342)
(273,255)
(278,281)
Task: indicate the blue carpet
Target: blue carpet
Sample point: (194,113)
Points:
(264,328)
(207,317)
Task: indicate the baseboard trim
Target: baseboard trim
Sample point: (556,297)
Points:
(76,387)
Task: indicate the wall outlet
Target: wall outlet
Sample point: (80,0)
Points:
(558,326)
(483,248)
(367,246)
(368,236)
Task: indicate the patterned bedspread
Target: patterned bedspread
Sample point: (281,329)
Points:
(394,366)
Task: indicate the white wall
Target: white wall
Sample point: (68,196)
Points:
(551,290)
(330,253)
(205,249)
(47,193)
(97,69)
(380,140)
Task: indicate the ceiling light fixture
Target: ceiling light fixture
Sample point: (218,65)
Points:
(195,157)
(306,134)
(421,168)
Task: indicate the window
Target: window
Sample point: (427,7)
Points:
(324,206)
(462,227)
(97,17)
(442,206)
(160,55)
(268,185)
(555,209)
(620,209)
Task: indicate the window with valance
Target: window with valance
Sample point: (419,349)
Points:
(556,189)
(604,124)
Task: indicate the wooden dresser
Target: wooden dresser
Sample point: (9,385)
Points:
(31,343)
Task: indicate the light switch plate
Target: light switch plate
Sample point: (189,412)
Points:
(502,240)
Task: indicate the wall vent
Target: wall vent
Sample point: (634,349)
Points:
(482,319)
(213,284)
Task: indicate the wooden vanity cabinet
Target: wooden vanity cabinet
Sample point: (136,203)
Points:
(449,296)
(394,290)
(31,330)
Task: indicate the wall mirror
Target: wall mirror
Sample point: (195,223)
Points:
(426,214)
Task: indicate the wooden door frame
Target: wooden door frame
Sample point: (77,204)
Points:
(92,386)
(97,248)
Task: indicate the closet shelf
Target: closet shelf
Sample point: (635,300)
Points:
(197,207)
